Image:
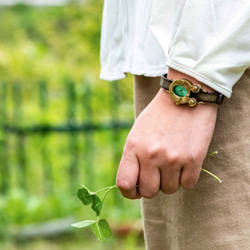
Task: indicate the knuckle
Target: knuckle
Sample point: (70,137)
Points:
(170,190)
(131,142)
(197,156)
(153,151)
(123,185)
(187,185)
(172,157)
(191,158)
(148,194)
(189,182)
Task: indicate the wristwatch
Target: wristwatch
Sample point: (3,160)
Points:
(182,91)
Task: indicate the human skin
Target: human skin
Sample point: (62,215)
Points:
(166,146)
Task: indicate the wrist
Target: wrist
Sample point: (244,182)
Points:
(184,89)
(174,74)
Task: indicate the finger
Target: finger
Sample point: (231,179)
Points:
(170,178)
(190,175)
(127,175)
(149,181)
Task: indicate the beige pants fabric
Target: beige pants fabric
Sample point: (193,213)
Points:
(211,215)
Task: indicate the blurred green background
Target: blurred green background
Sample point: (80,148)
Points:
(60,126)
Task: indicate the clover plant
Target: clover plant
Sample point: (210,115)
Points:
(100,227)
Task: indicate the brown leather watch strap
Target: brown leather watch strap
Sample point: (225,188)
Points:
(201,96)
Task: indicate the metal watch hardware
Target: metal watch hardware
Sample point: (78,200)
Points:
(187,98)
(182,91)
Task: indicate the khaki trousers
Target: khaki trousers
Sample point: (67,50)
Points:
(211,215)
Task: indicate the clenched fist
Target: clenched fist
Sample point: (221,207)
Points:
(166,147)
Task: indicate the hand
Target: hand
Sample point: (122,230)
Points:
(165,148)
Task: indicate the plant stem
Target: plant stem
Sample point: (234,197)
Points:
(214,153)
(108,190)
(216,177)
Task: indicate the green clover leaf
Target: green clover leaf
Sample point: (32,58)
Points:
(84,223)
(97,205)
(85,195)
(102,230)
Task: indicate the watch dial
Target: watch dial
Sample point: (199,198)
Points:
(179,90)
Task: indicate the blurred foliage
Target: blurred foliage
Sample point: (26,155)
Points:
(78,242)
(57,45)
(51,42)
(49,67)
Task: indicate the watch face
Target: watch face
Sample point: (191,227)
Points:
(179,91)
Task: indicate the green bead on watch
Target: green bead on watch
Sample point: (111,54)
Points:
(182,91)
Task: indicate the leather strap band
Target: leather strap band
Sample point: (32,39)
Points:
(209,97)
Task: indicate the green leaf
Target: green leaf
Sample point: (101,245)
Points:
(97,205)
(104,226)
(85,195)
(84,223)
(102,230)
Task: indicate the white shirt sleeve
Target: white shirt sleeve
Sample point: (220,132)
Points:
(209,40)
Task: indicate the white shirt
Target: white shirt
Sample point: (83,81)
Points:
(209,40)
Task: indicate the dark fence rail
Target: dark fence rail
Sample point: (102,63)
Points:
(112,125)
(54,138)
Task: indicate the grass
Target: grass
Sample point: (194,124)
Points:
(78,241)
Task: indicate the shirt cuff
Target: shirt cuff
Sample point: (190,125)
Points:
(207,81)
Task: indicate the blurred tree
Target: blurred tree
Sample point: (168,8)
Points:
(50,41)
